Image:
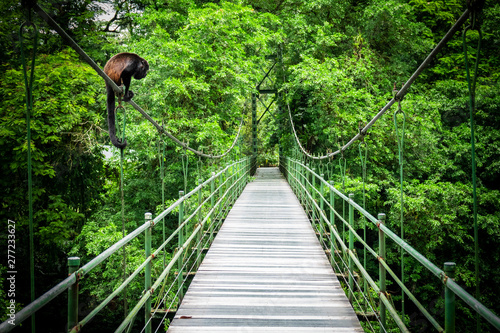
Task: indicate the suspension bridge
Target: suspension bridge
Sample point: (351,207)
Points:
(261,250)
(265,271)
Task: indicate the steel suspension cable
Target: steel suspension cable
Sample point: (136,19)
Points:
(162,130)
(363,168)
(399,95)
(161,153)
(474,25)
(28,84)
(400,141)
(343,169)
(122,197)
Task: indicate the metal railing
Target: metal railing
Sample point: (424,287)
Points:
(318,197)
(200,212)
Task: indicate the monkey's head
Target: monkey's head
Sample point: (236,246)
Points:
(142,69)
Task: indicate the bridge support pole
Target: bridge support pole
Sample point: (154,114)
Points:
(333,244)
(351,247)
(221,181)
(198,237)
(73,265)
(280,135)
(449,300)
(180,278)
(254,135)
(307,189)
(147,274)
(212,204)
(321,207)
(382,272)
(313,198)
(304,178)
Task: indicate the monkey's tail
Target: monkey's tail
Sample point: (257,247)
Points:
(111,120)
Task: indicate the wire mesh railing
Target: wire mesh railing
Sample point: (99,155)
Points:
(200,214)
(318,197)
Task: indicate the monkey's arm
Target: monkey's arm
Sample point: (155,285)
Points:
(126,78)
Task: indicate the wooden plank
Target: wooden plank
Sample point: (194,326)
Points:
(265,271)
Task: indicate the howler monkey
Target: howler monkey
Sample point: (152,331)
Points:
(120,68)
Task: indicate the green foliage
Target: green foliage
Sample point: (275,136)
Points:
(66,161)
(61,219)
(95,237)
(341,60)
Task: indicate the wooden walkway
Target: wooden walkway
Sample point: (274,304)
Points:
(265,271)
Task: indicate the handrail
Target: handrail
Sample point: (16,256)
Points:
(167,269)
(241,172)
(296,169)
(373,252)
(345,249)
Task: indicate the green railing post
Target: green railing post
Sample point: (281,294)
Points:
(238,180)
(238,174)
(306,186)
(147,275)
(221,181)
(298,171)
(382,273)
(299,180)
(241,170)
(303,179)
(180,278)
(229,177)
(234,181)
(223,202)
(198,237)
(212,204)
(313,195)
(246,168)
(332,222)
(449,299)
(295,173)
(351,247)
(254,134)
(73,265)
(321,207)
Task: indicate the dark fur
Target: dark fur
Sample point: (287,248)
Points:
(120,68)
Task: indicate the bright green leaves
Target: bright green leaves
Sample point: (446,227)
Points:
(391,29)
(61,223)
(64,95)
(208,70)
(330,98)
(63,122)
(437,14)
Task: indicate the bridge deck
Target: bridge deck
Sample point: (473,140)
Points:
(265,271)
